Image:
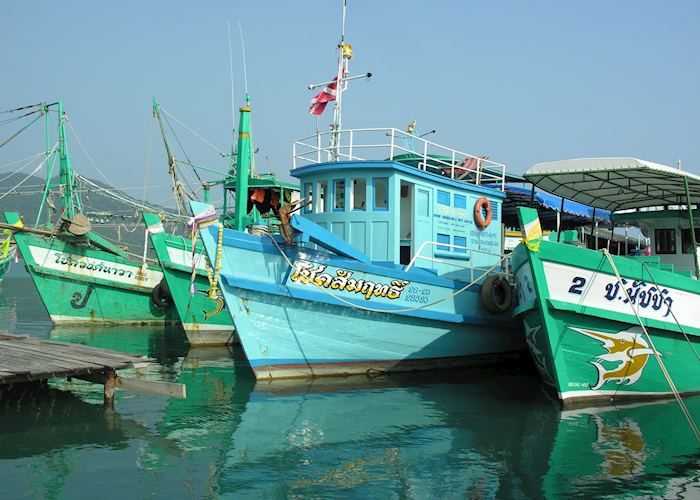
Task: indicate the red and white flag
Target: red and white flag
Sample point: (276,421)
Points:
(318,103)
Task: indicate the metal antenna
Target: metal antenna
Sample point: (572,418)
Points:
(230,66)
(342,32)
(245,67)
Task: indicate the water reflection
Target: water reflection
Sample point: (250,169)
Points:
(487,433)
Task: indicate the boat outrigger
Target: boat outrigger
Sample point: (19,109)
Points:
(604,327)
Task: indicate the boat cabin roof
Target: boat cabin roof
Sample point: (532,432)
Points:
(615,183)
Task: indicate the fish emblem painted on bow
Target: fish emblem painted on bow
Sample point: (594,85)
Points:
(627,348)
(218,300)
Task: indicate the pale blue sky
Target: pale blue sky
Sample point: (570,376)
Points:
(522,82)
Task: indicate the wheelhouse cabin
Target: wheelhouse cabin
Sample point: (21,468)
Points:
(415,206)
(668,229)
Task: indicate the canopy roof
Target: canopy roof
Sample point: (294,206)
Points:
(573,215)
(615,183)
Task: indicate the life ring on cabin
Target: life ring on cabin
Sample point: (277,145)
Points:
(161,296)
(496,294)
(483,205)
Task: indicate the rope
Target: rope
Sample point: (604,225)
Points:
(393,311)
(131,202)
(676,394)
(23,180)
(80,143)
(144,265)
(21,130)
(673,314)
(30,158)
(193,132)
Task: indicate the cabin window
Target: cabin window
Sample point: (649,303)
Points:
(308,208)
(687,241)
(443,198)
(381,185)
(443,238)
(359,193)
(665,241)
(322,192)
(339,194)
(460,241)
(460,201)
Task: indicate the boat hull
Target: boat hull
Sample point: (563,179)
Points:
(582,331)
(206,321)
(284,337)
(7,261)
(290,328)
(81,285)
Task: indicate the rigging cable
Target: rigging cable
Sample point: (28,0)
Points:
(20,108)
(31,158)
(193,132)
(80,143)
(26,178)
(21,130)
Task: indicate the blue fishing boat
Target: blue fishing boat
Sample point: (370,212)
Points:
(394,262)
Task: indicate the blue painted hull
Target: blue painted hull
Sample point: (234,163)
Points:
(285,337)
(290,328)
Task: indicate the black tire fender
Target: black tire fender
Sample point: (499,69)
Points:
(496,294)
(160,295)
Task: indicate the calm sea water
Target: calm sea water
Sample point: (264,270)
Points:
(463,434)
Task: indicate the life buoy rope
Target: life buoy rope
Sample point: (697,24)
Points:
(483,205)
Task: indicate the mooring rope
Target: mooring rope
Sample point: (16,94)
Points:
(392,311)
(673,314)
(676,394)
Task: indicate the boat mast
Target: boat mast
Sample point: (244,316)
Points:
(243,165)
(178,189)
(70,201)
(343,63)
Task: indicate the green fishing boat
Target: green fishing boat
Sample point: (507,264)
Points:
(604,327)
(81,277)
(8,253)
(190,281)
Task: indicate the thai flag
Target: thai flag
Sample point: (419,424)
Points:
(318,103)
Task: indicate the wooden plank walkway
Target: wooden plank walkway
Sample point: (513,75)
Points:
(27,359)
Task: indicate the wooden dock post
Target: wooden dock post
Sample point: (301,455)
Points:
(110,388)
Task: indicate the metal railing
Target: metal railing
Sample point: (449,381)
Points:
(397,145)
(506,266)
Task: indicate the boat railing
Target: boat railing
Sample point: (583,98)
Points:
(397,145)
(505,268)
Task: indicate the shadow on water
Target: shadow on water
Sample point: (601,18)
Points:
(484,433)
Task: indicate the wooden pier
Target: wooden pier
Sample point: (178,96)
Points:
(26,360)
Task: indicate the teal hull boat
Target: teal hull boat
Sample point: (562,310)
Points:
(86,285)
(203,315)
(79,275)
(604,327)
